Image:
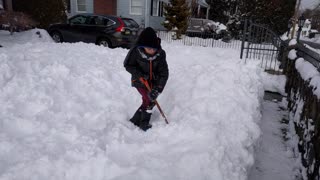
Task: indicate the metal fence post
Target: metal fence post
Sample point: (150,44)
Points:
(243,37)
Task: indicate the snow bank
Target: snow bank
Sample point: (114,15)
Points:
(31,36)
(292,54)
(293,42)
(309,73)
(65,108)
(274,83)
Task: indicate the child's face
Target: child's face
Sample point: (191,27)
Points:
(150,51)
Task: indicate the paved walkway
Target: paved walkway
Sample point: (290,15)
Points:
(274,160)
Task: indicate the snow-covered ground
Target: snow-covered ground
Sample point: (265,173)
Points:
(65,108)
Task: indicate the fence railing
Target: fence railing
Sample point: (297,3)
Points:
(202,39)
(261,43)
(309,55)
(304,107)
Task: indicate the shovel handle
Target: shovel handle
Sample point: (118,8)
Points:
(145,82)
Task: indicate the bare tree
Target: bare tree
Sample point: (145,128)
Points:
(16,21)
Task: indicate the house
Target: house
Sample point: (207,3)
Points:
(144,12)
(305,30)
(200,8)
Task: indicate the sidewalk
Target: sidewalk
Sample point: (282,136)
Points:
(274,160)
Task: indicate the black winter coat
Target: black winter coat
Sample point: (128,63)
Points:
(137,63)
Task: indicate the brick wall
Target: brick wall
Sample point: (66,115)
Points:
(105,7)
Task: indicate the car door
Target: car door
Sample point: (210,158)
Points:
(75,29)
(131,29)
(98,27)
(91,29)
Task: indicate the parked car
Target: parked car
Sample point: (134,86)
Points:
(105,30)
(200,28)
(206,28)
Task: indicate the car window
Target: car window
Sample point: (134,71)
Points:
(78,20)
(106,21)
(130,23)
(100,21)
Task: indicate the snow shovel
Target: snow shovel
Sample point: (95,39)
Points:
(145,82)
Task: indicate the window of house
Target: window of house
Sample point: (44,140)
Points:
(136,7)
(1,4)
(81,6)
(157,8)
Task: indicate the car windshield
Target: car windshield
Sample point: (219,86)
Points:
(130,23)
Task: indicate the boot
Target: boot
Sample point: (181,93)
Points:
(144,121)
(136,117)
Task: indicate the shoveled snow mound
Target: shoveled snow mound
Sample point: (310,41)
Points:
(65,108)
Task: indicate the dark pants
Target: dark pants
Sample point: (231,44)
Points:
(146,103)
(141,117)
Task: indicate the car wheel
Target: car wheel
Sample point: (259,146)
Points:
(104,42)
(56,36)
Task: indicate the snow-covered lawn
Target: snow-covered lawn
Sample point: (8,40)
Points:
(65,108)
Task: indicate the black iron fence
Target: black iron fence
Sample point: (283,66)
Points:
(309,55)
(304,107)
(259,42)
(254,42)
(221,40)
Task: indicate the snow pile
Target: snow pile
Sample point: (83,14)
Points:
(293,42)
(274,83)
(316,39)
(309,73)
(307,70)
(292,54)
(284,37)
(31,36)
(65,108)
(217,27)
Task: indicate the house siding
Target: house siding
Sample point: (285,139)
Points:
(156,21)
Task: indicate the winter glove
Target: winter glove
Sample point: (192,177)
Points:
(153,94)
(145,77)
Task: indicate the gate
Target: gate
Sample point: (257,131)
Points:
(259,42)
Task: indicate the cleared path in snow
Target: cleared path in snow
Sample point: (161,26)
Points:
(274,159)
